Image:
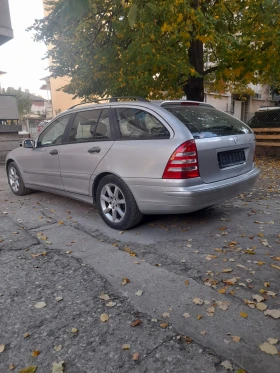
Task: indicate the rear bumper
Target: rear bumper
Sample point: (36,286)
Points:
(160,199)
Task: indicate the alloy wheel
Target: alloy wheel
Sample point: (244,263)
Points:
(113,203)
(14,179)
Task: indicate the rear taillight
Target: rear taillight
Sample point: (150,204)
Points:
(183,163)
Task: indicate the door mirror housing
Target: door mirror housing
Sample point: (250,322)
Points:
(28,144)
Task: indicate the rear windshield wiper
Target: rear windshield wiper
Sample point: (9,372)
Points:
(221,127)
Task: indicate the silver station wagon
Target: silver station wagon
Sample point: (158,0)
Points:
(131,157)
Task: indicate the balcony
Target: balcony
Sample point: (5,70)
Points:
(6,32)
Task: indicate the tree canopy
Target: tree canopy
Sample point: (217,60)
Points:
(161,48)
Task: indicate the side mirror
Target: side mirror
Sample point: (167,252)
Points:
(28,144)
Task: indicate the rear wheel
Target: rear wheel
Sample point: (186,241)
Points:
(15,180)
(116,203)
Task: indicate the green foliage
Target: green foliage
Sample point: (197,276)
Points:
(24,101)
(155,48)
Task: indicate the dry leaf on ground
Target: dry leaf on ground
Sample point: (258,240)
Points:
(74,330)
(58,367)
(272,341)
(125,281)
(258,298)
(58,299)
(227,365)
(268,348)
(187,282)
(235,338)
(227,270)
(139,293)
(136,356)
(111,304)
(197,301)
(243,314)
(2,347)
(12,366)
(35,353)
(104,317)
(136,322)
(186,315)
(26,335)
(275,266)
(273,313)
(166,314)
(164,325)
(126,346)
(31,369)
(58,348)
(104,296)
(261,306)
(40,305)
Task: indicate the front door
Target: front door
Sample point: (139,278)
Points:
(89,139)
(41,165)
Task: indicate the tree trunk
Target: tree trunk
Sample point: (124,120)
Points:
(194,88)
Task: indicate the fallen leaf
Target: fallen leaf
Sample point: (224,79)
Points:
(111,304)
(58,348)
(136,356)
(104,317)
(26,335)
(203,332)
(268,348)
(58,299)
(60,222)
(69,251)
(166,314)
(31,369)
(273,313)
(227,270)
(154,320)
(188,340)
(35,353)
(74,330)
(243,314)
(261,306)
(227,365)
(197,301)
(139,293)
(271,294)
(274,266)
(235,338)
(272,341)
(58,367)
(267,284)
(125,281)
(240,371)
(40,305)
(12,366)
(187,282)
(136,322)
(199,317)
(164,325)
(258,298)
(132,253)
(222,290)
(2,347)
(210,311)
(186,315)
(126,346)
(104,296)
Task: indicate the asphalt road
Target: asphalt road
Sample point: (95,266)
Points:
(227,256)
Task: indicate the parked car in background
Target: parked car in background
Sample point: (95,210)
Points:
(266,118)
(131,158)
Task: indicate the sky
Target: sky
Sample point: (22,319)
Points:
(21,57)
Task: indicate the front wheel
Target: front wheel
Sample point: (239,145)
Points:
(116,203)
(15,180)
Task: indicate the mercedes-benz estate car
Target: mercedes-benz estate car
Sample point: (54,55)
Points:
(136,157)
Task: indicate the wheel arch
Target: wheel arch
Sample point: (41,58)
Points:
(9,161)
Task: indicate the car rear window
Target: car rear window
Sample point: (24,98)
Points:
(205,122)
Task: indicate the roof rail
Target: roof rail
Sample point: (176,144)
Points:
(111,99)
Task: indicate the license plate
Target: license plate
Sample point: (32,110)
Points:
(232,158)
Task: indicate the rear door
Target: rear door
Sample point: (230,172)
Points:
(89,139)
(225,145)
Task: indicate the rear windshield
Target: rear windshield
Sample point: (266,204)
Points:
(265,119)
(204,122)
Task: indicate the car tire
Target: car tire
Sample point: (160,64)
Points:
(15,180)
(116,203)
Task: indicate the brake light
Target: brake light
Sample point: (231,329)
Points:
(183,163)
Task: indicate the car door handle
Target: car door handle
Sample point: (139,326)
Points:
(95,149)
(54,152)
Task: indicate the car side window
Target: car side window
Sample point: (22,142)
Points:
(54,132)
(84,126)
(90,125)
(139,124)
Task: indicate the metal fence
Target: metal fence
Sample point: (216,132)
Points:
(269,118)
